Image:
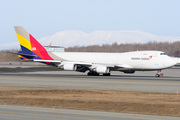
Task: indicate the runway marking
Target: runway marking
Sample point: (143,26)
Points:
(77,113)
(48,115)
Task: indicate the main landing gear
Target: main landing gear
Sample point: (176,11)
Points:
(93,74)
(97,74)
(159,74)
(106,74)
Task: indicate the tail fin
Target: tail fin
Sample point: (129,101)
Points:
(29,45)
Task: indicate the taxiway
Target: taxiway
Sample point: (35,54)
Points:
(36,113)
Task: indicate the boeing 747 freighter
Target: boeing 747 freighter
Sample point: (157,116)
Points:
(94,63)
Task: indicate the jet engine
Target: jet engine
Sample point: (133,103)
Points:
(102,69)
(70,67)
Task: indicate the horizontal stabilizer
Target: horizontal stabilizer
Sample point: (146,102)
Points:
(24,55)
(54,61)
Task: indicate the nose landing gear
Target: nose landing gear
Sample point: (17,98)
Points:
(159,74)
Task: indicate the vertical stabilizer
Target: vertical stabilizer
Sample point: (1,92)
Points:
(23,37)
(29,45)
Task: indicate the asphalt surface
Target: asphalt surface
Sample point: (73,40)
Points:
(21,64)
(140,81)
(36,113)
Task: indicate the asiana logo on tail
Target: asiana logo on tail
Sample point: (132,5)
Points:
(142,58)
(34,48)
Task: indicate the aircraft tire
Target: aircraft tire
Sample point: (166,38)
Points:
(106,74)
(157,75)
(93,74)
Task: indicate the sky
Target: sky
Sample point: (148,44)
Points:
(46,17)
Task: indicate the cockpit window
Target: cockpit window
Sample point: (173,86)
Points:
(163,54)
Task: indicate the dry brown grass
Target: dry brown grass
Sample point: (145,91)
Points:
(11,87)
(98,100)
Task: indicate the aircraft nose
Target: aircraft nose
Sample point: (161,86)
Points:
(172,62)
(169,62)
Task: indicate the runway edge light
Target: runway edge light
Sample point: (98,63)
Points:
(4,103)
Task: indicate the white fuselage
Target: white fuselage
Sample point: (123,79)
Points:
(137,60)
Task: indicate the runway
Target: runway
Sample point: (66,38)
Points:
(140,81)
(36,113)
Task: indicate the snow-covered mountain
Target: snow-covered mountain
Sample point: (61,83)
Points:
(78,38)
(75,37)
(70,38)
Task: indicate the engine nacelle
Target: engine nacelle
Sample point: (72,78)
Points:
(102,69)
(69,66)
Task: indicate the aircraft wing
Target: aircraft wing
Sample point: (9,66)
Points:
(82,66)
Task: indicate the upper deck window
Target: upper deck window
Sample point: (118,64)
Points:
(163,54)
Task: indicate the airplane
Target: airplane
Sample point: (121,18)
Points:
(94,62)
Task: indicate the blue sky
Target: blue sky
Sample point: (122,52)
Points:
(46,17)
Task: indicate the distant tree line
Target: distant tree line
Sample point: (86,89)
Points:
(170,48)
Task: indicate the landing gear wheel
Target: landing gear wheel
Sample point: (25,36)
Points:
(157,75)
(106,74)
(93,74)
(89,74)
